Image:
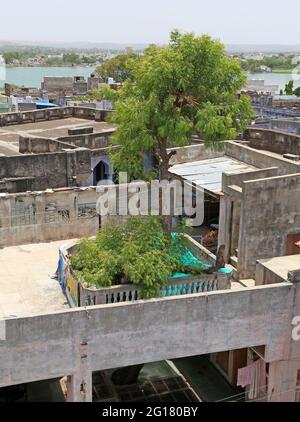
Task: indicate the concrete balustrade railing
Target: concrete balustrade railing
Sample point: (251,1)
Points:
(174,287)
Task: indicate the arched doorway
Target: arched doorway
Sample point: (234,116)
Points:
(101,172)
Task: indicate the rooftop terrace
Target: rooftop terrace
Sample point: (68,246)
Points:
(9,135)
(26,284)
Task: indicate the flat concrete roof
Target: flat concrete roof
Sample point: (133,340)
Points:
(208,173)
(26,286)
(282,265)
(8,149)
(48,129)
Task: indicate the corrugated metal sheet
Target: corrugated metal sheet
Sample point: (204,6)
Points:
(208,173)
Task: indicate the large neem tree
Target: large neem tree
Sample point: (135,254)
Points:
(188,87)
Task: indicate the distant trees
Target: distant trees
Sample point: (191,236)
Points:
(119,67)
(283,63)
(71,58)
(297,91)
(11,56)
(289,88)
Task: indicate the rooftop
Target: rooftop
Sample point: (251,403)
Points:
(47,129)
(208,173)
(282,265)
(33,291)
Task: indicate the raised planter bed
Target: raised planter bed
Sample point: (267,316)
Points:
(79,294)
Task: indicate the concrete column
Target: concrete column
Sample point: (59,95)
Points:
(40,217)
(80,385)
(5,221)
(282,381)
(283,375)
(235,230)
(225,224)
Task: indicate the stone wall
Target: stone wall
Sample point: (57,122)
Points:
(44,216)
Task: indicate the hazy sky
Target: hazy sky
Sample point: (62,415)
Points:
(144,21)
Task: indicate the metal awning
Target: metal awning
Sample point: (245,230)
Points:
(208,173)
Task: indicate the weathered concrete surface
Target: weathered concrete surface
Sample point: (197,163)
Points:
(47,346)
(273,140)
(261,158)
(49,215)
(50,170)
(48,129)
(270,212)
(26,292)
(193,153)
(276,269)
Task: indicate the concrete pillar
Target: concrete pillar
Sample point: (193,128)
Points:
(235,230)
(79,387)
(5,221)
(225,224)
(282,381)
(284,375)
(80,383)
(40,217)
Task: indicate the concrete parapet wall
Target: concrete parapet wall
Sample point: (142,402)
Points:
(44,216)
(193,153)
(260,159)
(238,178)
(48,170)
(285,125)
(48,346)
(53,114)
(270,211)
(29,145)
(274,141)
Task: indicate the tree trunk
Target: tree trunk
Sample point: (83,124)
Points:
(126,375)
(164,165)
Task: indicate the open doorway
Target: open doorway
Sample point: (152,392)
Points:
(101,172)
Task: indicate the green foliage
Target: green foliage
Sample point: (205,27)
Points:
(289,88)
(189,87)
(119,67)
(71,58)
(274,62)
(138,252)
(105,93)
(297,91)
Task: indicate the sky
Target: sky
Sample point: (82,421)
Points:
(150,21)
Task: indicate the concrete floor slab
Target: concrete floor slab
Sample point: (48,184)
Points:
(26,286)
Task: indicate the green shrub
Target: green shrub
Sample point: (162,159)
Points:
(138,252)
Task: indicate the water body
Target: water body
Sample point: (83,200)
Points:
(280,79)
(33,76)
